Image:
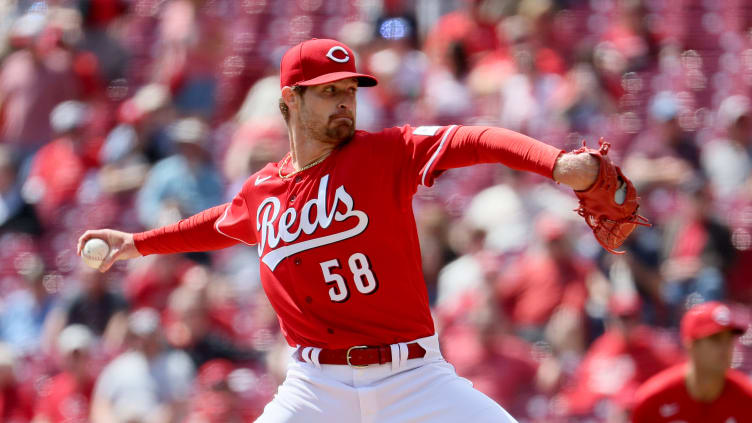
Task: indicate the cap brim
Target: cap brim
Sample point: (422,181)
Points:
(363,79)
(710,330)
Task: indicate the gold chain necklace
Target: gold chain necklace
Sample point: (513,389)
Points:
(308,166)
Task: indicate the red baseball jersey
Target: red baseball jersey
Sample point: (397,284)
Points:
(338,244)
(664,399)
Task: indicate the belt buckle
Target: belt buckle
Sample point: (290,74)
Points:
(349,350)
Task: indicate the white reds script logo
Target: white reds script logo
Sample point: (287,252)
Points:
(334,49)
(269,210)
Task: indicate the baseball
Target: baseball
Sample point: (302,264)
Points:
(94,252)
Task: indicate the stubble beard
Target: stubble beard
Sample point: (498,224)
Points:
(331,134)
(340,133)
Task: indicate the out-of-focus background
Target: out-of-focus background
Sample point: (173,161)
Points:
(131,114)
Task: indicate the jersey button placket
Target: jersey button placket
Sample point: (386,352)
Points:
(292,198)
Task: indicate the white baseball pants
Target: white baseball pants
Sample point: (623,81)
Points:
(405,391)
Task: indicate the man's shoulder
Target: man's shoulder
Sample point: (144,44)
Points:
(661,382)
(403,133)
(740,381)
(392,132)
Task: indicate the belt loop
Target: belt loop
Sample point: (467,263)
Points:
(315,356)
(395,357)
(307,355)
(403,353)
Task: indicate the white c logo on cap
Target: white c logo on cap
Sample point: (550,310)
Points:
(330,54)
(722,316)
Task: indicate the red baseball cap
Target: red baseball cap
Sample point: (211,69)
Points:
(709,318)
(319,61)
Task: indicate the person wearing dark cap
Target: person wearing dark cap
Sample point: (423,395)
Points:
(339,253)
(705,389)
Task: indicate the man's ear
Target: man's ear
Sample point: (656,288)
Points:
(289,97)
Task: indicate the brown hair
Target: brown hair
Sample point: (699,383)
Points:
(298,89)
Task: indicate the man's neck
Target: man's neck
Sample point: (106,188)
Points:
(704,386)
(305,150)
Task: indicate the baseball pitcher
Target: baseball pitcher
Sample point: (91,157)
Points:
(338,246)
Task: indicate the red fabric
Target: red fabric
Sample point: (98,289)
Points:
(340,267)
(319,61)
(475,37)
(151,285)
(195,233)
(66,400)
(616,364)
(501,367)
(60,169)
(709,318)
(480,144)
(664,398)
(531,291)
(15,404)
(690,240)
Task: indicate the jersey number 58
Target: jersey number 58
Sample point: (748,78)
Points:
(364,279)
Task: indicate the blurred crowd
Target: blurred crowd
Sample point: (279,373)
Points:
(132,114)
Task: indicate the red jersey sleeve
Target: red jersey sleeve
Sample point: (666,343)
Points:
(212,229)
(434,149)
(236,221)
(195,233)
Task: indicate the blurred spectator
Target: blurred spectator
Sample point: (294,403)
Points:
(59,167)
(478,342)
(704,389)
(627,354)
(16,214)
(545,281)
(254,143)
(698,251)
(98,19)
(728,160)
(16,397)
(145,383)
(67,395)
(138,140)
(25,311)
(33,79)
(188,328)
(151,283)
(94,305)
(183,184)
(215,398)
(671,152)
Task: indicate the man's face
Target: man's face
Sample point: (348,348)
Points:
(327,111)
(713,353)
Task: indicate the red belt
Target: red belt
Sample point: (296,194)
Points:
(362,356)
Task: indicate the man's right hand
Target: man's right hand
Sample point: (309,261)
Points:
(121,245)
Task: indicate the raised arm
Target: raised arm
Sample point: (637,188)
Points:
(608,200)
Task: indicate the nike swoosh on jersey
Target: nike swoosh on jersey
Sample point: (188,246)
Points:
(260,180)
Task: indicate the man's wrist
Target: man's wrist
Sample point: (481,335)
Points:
(579,171)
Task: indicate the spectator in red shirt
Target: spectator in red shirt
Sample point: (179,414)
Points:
(704,389)
(478,342)
(628,353)
(67,397)
(59,167)
(218,395)
(546,280)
